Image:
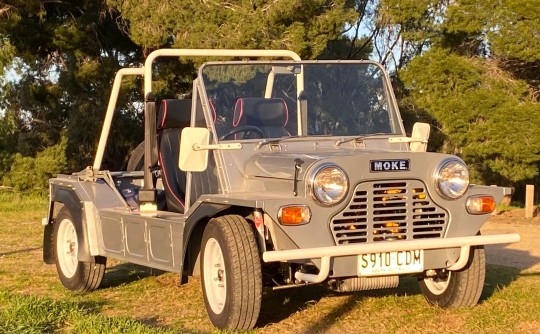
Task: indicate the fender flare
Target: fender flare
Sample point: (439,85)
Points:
(205,211)
(72,202)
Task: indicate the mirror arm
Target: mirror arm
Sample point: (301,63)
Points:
(232,146)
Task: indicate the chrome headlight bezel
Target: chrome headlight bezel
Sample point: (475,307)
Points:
(452,178)
(320,194)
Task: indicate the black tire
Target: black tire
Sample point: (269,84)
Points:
(74,274)
(451,289)
(231,273)
(136,159)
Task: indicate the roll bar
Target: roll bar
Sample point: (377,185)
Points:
(146,72)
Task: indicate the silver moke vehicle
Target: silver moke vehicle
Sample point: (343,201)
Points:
(276,174)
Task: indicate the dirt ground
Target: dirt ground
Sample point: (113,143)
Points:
(524,254)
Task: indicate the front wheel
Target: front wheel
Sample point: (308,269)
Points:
(450,289)
(74,274)
(231,273)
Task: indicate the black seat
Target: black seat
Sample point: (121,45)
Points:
(174,115)
(270,115)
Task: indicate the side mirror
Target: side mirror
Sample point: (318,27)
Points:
(193,159)
(420,137)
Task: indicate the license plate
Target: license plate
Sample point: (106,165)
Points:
(391,263)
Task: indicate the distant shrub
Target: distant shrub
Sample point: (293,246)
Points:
(31,174)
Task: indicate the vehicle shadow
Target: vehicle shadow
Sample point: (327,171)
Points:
(505,266)
(19,251)
(280,305)
(501,255)
(497,278)
(125,273)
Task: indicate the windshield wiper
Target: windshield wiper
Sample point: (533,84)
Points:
(274,141)
(358,138)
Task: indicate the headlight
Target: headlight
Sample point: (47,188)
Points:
(452,179)
(329,185)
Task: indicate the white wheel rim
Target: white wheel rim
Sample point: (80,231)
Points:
(67,248)
(436,285)
(215,278)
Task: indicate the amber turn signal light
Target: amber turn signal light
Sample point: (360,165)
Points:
(294,215)
(478,205)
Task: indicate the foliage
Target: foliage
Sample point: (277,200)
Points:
(8,140)
(475,104)
(304,26)
(471,68)
(32,174)
(64,55)
(475,77)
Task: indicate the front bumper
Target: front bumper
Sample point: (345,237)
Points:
(325,254)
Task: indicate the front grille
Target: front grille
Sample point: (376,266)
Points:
(387,211)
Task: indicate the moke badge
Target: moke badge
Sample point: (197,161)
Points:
(394,165)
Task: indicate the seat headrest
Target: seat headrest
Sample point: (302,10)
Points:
(261,112)
(174,114)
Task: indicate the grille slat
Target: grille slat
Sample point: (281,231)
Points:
(388,211)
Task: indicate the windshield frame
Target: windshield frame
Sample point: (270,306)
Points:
(395,120)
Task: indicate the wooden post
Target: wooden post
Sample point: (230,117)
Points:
(529,201)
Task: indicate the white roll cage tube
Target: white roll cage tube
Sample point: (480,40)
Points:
(110,111)
(146,72)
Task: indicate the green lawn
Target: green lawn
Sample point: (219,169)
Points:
(138,300)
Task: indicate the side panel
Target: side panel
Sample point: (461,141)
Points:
(161,246)
(113,235)
(135,241)
(155,242)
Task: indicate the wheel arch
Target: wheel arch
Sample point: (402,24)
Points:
(194,229)
(68,199)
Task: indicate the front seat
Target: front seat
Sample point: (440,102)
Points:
(174,116)
(270,115)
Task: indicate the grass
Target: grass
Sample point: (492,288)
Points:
(134,299)
(30,314)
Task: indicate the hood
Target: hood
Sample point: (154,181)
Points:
(281,165)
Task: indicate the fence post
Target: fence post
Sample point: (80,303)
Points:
(529,201)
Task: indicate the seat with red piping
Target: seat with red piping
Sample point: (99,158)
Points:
(174,115)
(268,114)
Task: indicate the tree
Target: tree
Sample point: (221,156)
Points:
(304,26)
(483,112)
(471,68)
(8,141)
(65,54)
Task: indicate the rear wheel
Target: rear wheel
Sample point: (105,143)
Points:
(449,289)
(74,274)
(231,273)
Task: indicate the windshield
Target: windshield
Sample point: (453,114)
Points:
(258,100)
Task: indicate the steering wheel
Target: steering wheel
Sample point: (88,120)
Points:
(248,129)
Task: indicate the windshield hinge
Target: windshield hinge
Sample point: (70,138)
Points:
(297,166)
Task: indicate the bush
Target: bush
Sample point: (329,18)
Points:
(28,174)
